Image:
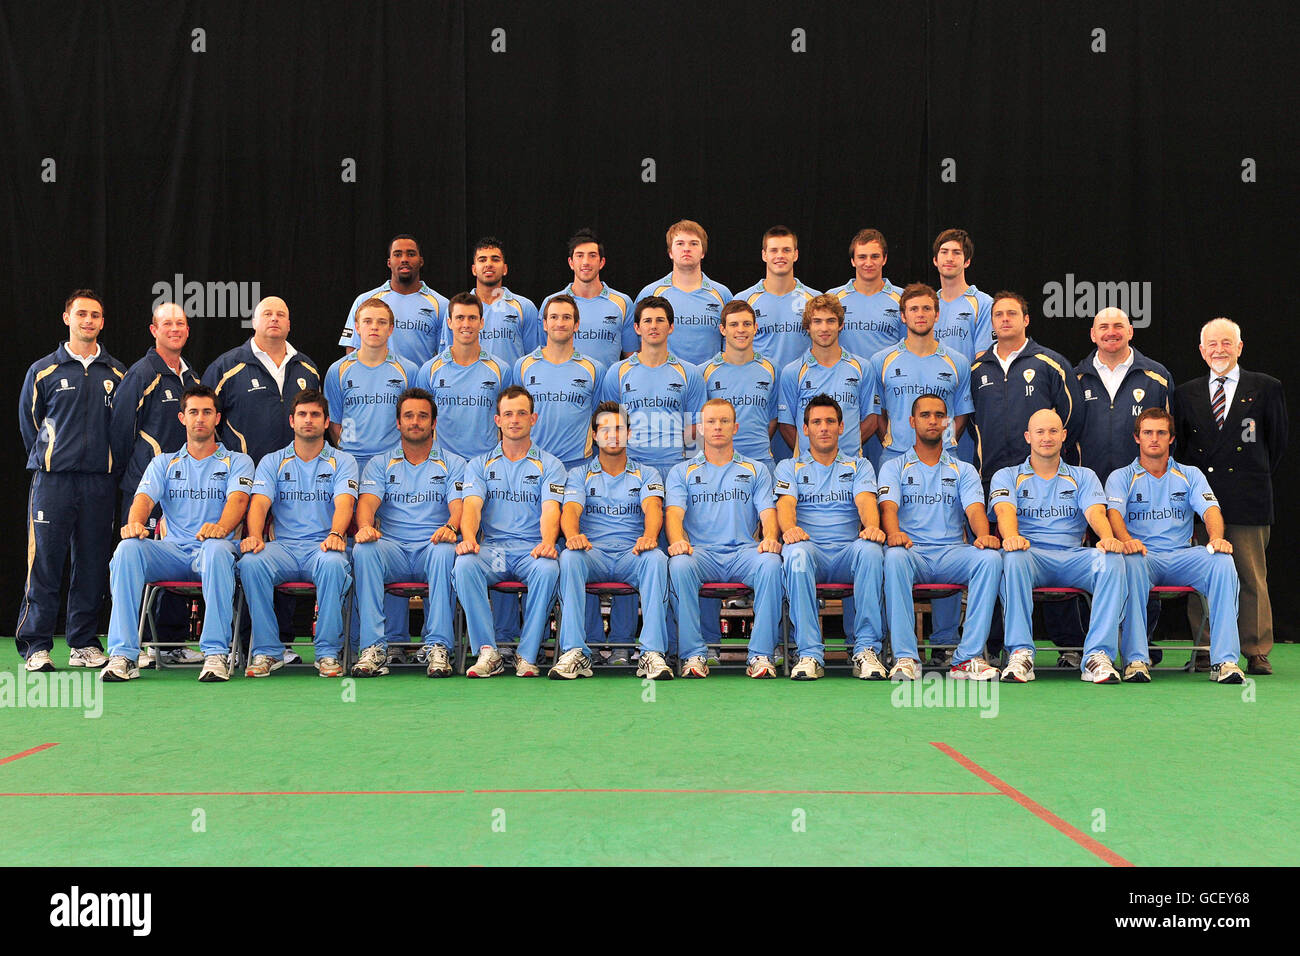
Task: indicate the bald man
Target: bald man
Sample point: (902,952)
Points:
(255,386)
(1232,424)
(1043,508)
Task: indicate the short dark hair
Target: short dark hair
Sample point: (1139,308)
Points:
(779,232)
(1150,413)
(515,391)
(564,299)
(865,236)
(1004,294)
(652,302)
(465,298)
(419,395)
(199,391)
(608,408)
(918,290)
(822,401)
(924,395)
(83,294)
(734,306)
(311,396)
(403,235)
(956,235)
(584,236)
(488,242)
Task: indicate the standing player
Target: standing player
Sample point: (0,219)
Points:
(464,380)
(778,300)
(146,420)
(413,491)
(1044,508)
(310,491)
(746,379)
(872,310)
(716,502)
(613,512)
(827,368)
(510,328)
(659,391)
(605,332)
(65,417)
(513,495)
(696,300)
(826,509)
(1151,505)
(203,490)
(927,499)
(965,322)
(418,311)
(917,365)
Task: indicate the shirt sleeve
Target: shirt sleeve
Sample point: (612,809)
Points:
(764,499)
(348,338)
(675,487)
(1203,498)
(962,397)
(887,489)
(1090,492)
(424,377)
(1002,489)
(154,480)
(334,393)
(972,491)
(455,476)
(983,328)
(345,475)
(695,394)
(864,480)
(472,484)
(631,341)
(575,486)
(530,330)
(875,405)
(264,477)
(122,425)
(1117,489)
(241,474)
(608,391)
(652,484)
(783,479)
(372,479)
(554,481)
(789,385)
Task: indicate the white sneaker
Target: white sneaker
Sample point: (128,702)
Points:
(695,667)
(182,655)
(39,661)
(90,656)
(329,667)
(373,662)
(1020,669)
(489,663)
(215,669)
(761,667)
(1227,673)
(525,668)
(867,666)
(572,664)
(1137,672)
(437,661)
(119,669)
(262,665)
(808,668)
(652,666)
(147,661)
(290,657)
(906,669)
(1098,669)
(977,668)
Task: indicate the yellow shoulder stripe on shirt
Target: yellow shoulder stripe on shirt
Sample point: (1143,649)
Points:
(1020,478)
(771,369)
(528,362)
(1069,399)
(393,461)
(889,359)
(1159,378)
(589,365)
(492,365)
(308,367)
(660,290)
(432,301)
(748,467)
(948,358)
(145,394)
(225,378)
(619,301)
(691,467)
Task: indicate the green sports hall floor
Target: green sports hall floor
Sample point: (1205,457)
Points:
(728,770)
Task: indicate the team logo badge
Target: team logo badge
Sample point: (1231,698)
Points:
(302,383)
(1138,393)
(108,387)
(1029,375)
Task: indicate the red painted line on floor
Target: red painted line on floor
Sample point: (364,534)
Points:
(852,793)
(27,753)
(1037,809)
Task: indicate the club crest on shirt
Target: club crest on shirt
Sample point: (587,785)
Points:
(1029,375)
(302,384)
(1138,393)
(108,387)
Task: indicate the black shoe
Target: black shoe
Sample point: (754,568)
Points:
(1156,654)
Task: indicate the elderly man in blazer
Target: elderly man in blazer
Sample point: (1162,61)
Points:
(1232,424)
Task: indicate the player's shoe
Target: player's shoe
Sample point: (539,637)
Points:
(290,656)
(941,656)
(1020,669)
(808,668)
(182,655)
(977,668)
(119,669)
(90,656)
(39,661)
(262,665)
(652,666)
(695,667)
(761,667)
(1137,672)
(525,668)
(906,669)
(572,664)
(867,666)
(215,669)
(329,667)
(1098,669)
(1071,659)
(373,662)
(489,663)
(147,661)
(619,657)
(1227,673)
(437,661)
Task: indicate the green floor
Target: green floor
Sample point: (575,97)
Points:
(289,770)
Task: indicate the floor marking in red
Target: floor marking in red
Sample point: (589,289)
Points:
(850,793)
(1037,809)
(27,753)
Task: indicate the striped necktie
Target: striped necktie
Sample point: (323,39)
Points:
(1218,405)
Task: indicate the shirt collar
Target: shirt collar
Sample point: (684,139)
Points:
(289,352)
(1234,376)
(1123,366)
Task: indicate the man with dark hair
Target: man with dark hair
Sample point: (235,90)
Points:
(310,490)
(696,300)
(830,525)
(413,489)
(65,419)
(748,380)
(513,495)
(605,330)
(965,313)
(1150,506)
(203,490)
(418,311)
(510,327)
(826,368)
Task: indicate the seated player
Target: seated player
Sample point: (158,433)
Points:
(822,498)
(407,518)
(716,502)
(203,490)
(513,493)
(613,511)
(927,497)
(1151,503)
(1043,509)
